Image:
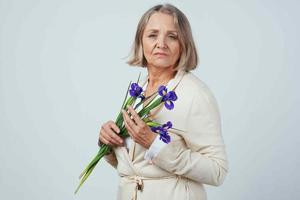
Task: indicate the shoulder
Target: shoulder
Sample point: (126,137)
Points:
(193,81)
(193,86)
(197,93)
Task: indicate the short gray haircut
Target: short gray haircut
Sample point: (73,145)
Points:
(188,59)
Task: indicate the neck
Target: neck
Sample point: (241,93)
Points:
(159,76)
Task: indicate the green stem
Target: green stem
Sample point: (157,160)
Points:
(86,176)
(102,152)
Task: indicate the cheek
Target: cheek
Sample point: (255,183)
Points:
(147,48)
(176,51)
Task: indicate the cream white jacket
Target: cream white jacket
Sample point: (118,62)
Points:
(194,157)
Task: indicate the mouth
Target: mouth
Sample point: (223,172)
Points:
(160,54)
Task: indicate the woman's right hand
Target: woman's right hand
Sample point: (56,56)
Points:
(109,134)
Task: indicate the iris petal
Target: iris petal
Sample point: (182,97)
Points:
(169,105)
(133,85)
(165,137)
(172,96)
(135,90)
(168,97)
(154,129)
(161,90)
(131,92)
(164,98)
(167,125)
(163,132)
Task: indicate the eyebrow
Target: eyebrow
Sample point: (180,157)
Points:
(156,31)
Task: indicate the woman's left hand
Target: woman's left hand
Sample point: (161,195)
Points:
(139,131)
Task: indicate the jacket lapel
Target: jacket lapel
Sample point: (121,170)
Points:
(143,83)
(136,149)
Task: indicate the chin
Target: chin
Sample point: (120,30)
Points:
(162,64)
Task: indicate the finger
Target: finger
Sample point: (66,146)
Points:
(129,121)
(132,127)
(116,138)
(115,135)
(135,116)
(114,127)
(111,136)
(129,129)
(103,140)
(141,126)
(103,137)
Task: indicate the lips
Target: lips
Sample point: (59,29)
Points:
(160,54)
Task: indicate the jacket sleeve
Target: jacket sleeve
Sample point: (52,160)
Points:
(111,159)
(199,154)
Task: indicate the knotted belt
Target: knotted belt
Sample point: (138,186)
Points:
(138,180)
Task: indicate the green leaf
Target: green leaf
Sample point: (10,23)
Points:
(146,98)
(102,151)
(123,104)
(85,174)
(85,177)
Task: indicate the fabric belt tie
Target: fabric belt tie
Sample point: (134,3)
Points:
(139,184)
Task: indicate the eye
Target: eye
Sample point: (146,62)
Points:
(152,36)
(173,37)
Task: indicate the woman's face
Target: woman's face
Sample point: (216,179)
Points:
(160,41)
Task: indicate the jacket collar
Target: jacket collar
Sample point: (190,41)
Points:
(171,85)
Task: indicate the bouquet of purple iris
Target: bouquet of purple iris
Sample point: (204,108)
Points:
(136,93)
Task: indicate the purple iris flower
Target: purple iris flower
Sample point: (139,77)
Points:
(163,132)
(167,97)
(136,91)
(165,137)
(167,125)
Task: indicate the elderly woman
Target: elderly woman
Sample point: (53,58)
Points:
(152,169)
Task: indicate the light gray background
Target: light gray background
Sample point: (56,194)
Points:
(63,74)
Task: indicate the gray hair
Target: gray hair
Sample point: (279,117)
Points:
(188,59)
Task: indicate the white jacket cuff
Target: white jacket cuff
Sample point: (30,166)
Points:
(154,149)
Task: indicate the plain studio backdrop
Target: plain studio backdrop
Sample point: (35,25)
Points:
(63,74)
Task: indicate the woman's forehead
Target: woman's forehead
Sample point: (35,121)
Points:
(161,20)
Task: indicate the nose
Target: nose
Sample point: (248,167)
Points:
(161,43)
